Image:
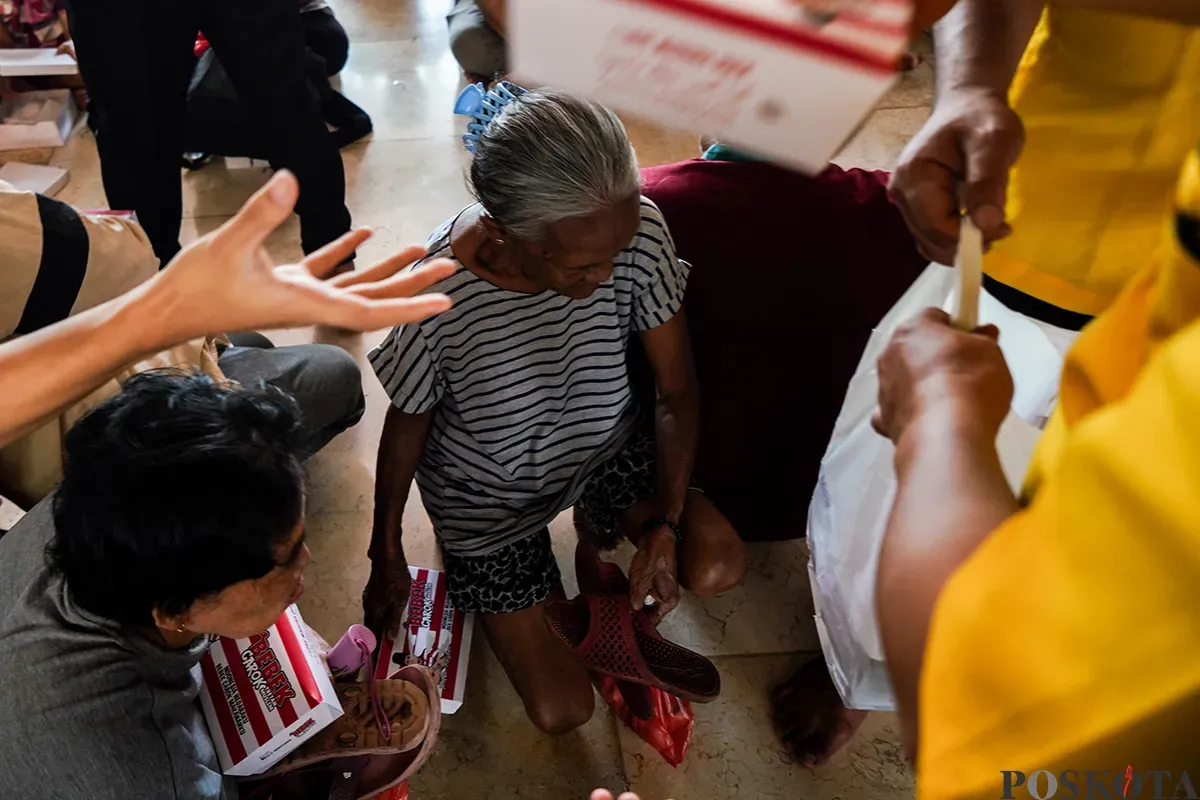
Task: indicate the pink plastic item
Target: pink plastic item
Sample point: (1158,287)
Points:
(352,652)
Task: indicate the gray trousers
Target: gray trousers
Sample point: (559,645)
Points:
(324,380)
(475,44)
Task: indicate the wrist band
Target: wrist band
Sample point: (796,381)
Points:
(654,523)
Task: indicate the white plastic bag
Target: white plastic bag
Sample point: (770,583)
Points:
(857,485)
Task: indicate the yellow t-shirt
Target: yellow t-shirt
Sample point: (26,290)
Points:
(1111,106)
(1070,640)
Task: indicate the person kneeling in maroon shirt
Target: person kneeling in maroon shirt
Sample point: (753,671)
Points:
(790,274)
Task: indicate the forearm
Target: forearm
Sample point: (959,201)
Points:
(400,448)
(979,43)
(46,371)
(951,493)
(677,431)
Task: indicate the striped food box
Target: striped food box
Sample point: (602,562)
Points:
(788,79)
(266,695)
(436,635)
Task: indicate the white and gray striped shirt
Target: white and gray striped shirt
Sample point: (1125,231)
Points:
(530,392)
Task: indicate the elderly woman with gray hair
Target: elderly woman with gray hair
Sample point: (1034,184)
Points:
(524,400)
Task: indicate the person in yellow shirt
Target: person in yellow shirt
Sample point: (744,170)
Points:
(1061,635)
(1060,127)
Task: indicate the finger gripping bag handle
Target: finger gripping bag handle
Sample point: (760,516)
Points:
(968,263)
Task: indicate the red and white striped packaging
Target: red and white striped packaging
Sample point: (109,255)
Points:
(436,635)
(788,79)
(265,696)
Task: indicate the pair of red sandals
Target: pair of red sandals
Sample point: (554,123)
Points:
(604,633)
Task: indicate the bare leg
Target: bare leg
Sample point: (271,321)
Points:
(555,688)
(712,556)
(809,715)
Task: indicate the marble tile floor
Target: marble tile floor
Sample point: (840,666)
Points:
(403,181)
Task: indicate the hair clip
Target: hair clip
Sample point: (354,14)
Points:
(482,106)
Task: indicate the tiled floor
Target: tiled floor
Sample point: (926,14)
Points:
(403,181)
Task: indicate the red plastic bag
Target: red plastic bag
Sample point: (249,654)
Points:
(669,729)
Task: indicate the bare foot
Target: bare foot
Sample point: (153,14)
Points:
(809,715)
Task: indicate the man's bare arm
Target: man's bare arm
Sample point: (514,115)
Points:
(224,281)
(951,493)
(979,43)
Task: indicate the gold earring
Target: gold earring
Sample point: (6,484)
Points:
(498,241)
(182,627)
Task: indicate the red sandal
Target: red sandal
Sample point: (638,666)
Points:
(603,577)
(604,633)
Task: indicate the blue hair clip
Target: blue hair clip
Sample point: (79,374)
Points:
(482,105)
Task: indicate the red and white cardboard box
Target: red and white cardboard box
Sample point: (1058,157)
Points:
(784,78)
(265,696)
(435,635)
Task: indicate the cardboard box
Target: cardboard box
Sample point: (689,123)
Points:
(265,696)
(770,76)
(36,119)
(34,61)
(34,178)
(436,635)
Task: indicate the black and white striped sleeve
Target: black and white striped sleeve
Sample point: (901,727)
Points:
(662,276)
(407,371)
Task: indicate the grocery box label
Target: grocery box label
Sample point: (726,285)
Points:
(435,635)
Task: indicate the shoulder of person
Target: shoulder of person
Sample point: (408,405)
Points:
(651,254)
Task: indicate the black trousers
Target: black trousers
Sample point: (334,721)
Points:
(327,38)
(136,59)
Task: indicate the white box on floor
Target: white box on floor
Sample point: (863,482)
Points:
(265,696)
(36,119)
(34,178)
(29,62)
(766,75)
(436,635)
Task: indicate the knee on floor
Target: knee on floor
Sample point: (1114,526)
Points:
(720,570)
(563,714)
(338,375)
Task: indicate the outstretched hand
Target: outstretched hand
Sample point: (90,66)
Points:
(226,280)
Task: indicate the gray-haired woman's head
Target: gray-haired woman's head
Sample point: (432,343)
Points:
(550,156)
(560,187)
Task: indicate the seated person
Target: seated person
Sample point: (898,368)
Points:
(34,24)
(477,31)
(180,515)
(219,125)
(773,366)
(522,400)
(60,262)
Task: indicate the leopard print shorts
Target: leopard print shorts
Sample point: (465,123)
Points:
(523,574)
(515,577)
(625,479)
